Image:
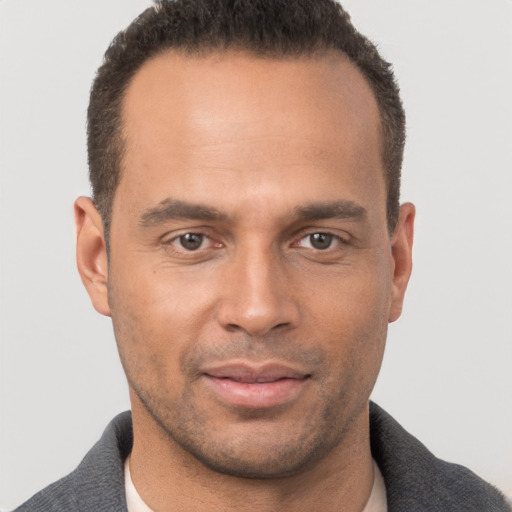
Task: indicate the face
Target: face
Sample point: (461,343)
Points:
(251,276)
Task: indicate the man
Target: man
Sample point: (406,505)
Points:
(246,238)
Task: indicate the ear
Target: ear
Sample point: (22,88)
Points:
(91,253)
(401,250)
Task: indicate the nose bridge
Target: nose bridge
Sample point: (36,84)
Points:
(258,295)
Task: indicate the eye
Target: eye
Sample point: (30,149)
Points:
(190,241)
(321,241)
(191,246)
(318,241)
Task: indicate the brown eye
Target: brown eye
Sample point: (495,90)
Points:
(191,241)
(320,241)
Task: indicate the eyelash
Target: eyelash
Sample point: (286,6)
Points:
(176,240)
(333,238)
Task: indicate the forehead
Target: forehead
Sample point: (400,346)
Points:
(230,87)
(187,119)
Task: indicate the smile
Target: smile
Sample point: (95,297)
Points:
(250,387)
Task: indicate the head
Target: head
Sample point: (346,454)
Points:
(252,272)
(272,29)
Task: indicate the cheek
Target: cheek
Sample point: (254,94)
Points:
(352,300)
(165,300)
(351,314)
(157,314)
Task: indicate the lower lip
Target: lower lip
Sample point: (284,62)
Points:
(256,395)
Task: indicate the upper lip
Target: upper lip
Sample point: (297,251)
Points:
(254,373)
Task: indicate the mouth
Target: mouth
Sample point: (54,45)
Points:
(255,387)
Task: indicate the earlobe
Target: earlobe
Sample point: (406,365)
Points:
(91,253)
(401,250)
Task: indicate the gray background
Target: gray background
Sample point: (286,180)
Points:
(447,370)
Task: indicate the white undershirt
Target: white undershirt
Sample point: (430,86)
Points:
(134,503)
(376,501)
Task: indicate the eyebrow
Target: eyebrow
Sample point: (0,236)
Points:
(174,209)
(342,209)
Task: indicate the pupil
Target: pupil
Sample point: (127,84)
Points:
(191,241)
(321,240)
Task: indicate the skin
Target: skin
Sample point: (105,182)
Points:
(276,151)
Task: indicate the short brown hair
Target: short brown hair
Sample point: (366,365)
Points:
(270,28)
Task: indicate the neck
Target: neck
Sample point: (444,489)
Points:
(169,478)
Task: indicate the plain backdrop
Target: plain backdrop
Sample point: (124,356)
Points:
(447,371)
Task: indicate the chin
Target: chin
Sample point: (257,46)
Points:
(259,448)
(259,462)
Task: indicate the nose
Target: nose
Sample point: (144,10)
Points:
(258,295)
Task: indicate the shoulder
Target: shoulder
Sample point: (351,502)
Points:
(417,480)
(98,482)
(56,497)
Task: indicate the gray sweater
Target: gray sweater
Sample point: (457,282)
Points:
(416,481)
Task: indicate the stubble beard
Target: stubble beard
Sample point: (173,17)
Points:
(260,449)
(261,452)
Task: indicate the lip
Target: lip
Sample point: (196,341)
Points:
(255,386)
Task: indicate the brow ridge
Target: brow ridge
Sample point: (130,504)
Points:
(175,209)
(342,209)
